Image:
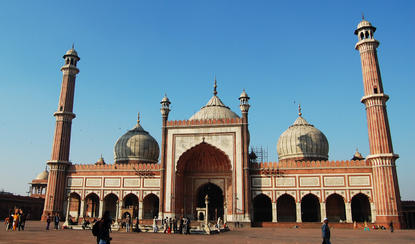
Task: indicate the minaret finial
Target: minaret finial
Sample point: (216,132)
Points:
(299,110)
(214,88)
(138,118)
(363,16)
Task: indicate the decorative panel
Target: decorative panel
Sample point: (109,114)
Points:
(151,182)
(359,180)
(131,182)
(261,182)
(334,181)
(285,181)
(74,181)
(112,182)
(309,181)
(93,182)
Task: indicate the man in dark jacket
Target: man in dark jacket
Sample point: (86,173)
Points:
(325,231)
(104,229)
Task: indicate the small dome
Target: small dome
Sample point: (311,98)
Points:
(302,141)
(71,52)
(214,109)
(43,176)
(165,100)
(244,95)
(136,145)
(364,23)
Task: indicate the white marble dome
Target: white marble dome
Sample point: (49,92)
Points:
(137,145)
(214,109)
(302,141)
(43,176)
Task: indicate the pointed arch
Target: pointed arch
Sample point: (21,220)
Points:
(262,208)
(310,208)
(335,208)
(286,208)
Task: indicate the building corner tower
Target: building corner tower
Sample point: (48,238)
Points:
(55,195)
(385,182)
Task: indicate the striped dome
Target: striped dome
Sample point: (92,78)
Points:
(302,141)
(137,145)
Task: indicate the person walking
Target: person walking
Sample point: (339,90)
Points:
(56,221)
(155,229)
(127,223)
(325,231)
(391,226)
(181,225)
(48,221)
(22,219)
(104,229)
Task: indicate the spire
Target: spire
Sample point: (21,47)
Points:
(299,110)
(214,88)
(138,118)
(73,45)
(363,16)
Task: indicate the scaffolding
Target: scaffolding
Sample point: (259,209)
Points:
(258,154)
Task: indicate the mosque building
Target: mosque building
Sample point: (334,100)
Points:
(208,154)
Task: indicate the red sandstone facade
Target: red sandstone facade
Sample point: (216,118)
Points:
(208,154)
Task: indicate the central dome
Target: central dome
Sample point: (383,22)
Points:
(137,145)
(214,109)
(302,141)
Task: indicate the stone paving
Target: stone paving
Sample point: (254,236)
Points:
(35,233)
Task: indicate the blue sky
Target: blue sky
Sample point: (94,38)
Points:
(132,52)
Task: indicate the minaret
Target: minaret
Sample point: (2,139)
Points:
(59,162)
(165,110)
(244,106)
(385,182)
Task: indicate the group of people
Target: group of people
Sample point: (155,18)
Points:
(55,218)
(170,225)
(16,220)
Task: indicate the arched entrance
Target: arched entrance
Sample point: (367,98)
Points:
(110,204)
(262,208)
(92,205)
(215,205)
(310,208)
(196,168)
(286,211)
(151,206)
(361,208)
(74,205)
(130,205)
(335,209)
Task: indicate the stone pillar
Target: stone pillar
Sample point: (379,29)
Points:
(207,210)
(373,211)
(82,208)
(298,207)
(101,207)
(117,210)
(348,208)
(140,210)
(322,211)
(68,201)
(120,210)
(274,212)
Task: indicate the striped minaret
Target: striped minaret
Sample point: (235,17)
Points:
(55,195)
(385,182)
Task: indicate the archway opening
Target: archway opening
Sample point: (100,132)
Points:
(286,211)
(92,205)
(200,163)
(215,205)
(110,204)
(74,206)
(335,209)
(131,204)
(361,208)
(151,206)
(310,208)
(262,208)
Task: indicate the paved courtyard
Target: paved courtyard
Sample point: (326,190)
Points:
(36,233)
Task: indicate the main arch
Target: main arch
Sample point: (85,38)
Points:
(203,170)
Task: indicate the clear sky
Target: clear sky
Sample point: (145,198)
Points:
(132,52)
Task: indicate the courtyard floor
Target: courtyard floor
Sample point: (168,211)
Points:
(35,233)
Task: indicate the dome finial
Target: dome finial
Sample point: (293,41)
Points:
(138,118)
(299,110)
(214,88)
(73,45)
(363,16)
